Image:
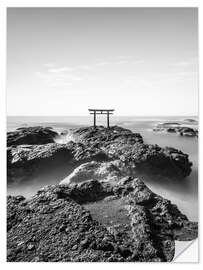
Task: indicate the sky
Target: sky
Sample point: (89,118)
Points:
(138,61)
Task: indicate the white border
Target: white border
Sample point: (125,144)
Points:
(101,3)
(75,3)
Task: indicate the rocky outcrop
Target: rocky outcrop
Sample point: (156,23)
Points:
(190,120)
(31,135)
(24,160)
(188,132)
(173,127)
(54,225)
(100,144)
(101,136)
(128,147)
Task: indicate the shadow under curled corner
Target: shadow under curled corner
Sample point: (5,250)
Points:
(187,252)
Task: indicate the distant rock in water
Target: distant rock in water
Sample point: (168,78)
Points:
(100,144)
(189,132)
(190,120)
(63,223)
(173,127)
(31,135)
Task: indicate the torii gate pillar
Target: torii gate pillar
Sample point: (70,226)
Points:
(107,119)
(94,118)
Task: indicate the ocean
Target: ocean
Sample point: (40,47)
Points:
(183,193)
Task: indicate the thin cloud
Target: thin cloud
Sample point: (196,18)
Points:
(181,64)
(54,75)
(158,81)
(84,67)
(104,63)
(138,83)
(58,78)
(60,70)
(138,62)
(49,65)
(122,62)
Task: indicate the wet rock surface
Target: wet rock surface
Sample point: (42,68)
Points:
(56,225)
(101,144)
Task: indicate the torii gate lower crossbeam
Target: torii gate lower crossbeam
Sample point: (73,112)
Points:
(106,112)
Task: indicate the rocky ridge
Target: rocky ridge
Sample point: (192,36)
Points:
(100,144)
(54,225)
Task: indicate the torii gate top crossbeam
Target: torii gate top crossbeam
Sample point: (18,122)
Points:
(101,110)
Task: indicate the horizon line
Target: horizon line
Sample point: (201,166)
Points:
(131,115)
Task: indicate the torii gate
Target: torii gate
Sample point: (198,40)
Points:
(101,111)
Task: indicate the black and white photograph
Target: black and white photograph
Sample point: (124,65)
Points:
(101,133)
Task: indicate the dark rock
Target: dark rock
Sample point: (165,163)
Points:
(31,135)
(51,243)
(171,130)
(190,120)
(100,136)
(188,132)
(168,124)
(176,128)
